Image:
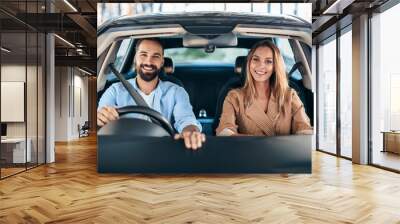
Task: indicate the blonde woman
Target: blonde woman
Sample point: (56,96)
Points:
(265,105)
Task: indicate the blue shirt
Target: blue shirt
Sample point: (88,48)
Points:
(171,100)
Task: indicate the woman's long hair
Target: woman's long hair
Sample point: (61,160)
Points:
(278,80)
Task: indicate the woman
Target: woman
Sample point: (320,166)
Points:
(265,105)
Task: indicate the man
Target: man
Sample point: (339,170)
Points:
(171,100)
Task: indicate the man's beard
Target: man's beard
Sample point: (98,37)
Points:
(146,75)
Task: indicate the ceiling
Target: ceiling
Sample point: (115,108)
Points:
(328,16)
(72,20)
(75,21)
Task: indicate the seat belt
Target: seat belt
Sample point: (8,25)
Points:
(132,91)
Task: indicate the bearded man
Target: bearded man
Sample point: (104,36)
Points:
(171,100)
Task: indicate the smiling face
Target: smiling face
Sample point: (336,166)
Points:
(262,64)
(149,59)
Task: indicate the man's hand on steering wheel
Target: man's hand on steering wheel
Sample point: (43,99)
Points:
(192,137)
(105,115)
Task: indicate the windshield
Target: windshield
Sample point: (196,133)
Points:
(187,56)
(228,55)
(196,55)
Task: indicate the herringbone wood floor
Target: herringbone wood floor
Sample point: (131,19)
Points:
(71,191)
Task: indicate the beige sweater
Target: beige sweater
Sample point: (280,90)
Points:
(235,118)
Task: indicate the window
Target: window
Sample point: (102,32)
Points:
(122,53)
(394,102)
(22,76)
(120,58)
(197,55)
(385,85)
(346,93)
(327,96)
(288,57)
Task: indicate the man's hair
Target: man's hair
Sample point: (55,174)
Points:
(139,41)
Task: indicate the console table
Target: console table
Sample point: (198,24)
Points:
(13,150)
(391,141)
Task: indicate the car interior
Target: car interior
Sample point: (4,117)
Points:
(207,84)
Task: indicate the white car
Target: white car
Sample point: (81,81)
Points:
(204,53)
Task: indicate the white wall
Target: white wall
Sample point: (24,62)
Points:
(80,98)
(71,94)
(13,73)
(33,126)
(61,103)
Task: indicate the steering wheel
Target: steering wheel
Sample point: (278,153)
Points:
(161,121)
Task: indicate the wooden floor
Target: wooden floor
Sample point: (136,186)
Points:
(71,191)
(10,171)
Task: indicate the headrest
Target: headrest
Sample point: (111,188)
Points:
(168,66)
(240,61)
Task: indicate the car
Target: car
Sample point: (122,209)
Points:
(194,43)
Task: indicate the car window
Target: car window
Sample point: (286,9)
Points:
(197,55)
(288,56)
(122,53)
(120,57)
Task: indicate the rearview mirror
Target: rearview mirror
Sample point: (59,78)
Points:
(223,40)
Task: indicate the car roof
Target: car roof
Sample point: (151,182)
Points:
(211,24)
(169,26)
(200,21)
